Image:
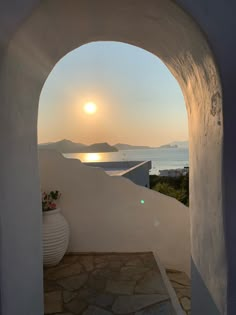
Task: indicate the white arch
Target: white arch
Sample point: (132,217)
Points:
(55,28)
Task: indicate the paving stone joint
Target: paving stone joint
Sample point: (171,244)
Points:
(104,284)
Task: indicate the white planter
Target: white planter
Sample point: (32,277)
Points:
(55,237)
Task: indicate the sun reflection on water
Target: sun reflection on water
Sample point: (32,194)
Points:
(92,157)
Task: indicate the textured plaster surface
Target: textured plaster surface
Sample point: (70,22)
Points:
(105,213)
(31,44)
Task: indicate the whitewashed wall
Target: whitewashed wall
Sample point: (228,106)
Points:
(105,213)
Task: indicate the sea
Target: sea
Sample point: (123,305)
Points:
(161,158)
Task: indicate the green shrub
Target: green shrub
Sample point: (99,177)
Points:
(176,187)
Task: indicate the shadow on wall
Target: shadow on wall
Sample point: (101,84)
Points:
(105,213)
(201,293)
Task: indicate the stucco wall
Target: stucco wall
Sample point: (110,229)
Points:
(139,175)
(105,213)
(32,41)
(137,172)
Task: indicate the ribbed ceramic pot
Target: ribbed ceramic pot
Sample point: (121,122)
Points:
(55,237)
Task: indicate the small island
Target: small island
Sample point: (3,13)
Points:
(169,146)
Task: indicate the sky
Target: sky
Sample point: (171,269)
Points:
(138,100)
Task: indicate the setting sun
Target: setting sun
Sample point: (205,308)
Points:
(90,108)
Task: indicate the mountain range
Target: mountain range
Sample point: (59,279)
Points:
(67,146)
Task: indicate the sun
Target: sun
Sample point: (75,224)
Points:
(90,108)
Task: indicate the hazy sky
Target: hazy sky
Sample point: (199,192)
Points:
(138,100)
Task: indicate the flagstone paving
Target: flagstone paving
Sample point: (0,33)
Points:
(106,284)
(182,286)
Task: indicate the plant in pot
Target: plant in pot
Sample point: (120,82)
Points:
(55,229)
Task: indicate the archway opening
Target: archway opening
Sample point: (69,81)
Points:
(140,104)
(119,78)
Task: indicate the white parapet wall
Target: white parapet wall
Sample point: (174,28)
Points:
(105,213)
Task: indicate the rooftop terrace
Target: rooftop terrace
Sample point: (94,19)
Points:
(136,171)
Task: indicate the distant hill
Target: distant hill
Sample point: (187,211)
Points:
(67,146)
(172,145)
(123,146)
(100,147)
(180,144)
(168,146)
(63,146)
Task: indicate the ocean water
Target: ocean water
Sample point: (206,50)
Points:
(161,158)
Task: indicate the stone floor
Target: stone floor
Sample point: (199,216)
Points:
(182,286)
(128,284)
